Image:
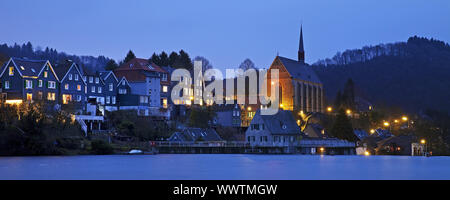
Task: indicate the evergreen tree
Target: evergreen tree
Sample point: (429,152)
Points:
(173,57)
(348,97)
(111,65)
(342,127)
(129,56)
(164,59)
(155,59)
(338,100)
(184,61)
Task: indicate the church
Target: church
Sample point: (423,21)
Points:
(300,88)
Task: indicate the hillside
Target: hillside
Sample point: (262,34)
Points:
(413,75)
(27,50)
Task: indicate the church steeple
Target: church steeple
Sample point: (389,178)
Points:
(301,51)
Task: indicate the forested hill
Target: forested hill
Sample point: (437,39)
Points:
(27,50)
(414,75)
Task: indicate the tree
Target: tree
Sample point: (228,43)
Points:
(183,61)
(205,63)
(342,127)
(201,117)
(173,57)
(348,97)
(129,56)
(155,59)
(247,64)
(164,59)
(338,100)
(111,65)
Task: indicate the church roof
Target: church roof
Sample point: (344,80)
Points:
(299,70)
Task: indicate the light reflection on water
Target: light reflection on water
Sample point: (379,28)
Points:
(224,167)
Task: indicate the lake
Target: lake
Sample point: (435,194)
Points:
(223,167)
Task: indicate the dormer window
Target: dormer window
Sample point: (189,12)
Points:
(70,76)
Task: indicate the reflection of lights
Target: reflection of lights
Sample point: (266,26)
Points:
(367,153)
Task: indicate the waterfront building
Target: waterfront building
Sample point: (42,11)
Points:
(196,135)
(110,90)
(273,130)
(95,85)
(24,80)
(73,87)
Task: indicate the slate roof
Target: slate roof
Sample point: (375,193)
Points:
(196,134)
(30,67)
(281,123)
(299,70)
(361,134)
(62,69)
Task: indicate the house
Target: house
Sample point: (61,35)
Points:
(299,87)
(273,130)
(360,134)
(314,130)
(95,86)
(110,90)
(29,80)
(395,145)
(196,135)
(228,115)
(129,101)
(73,87)
(144,80)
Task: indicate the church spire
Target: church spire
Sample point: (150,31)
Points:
(301,51)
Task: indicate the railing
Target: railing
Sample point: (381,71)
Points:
(326,143)
(200,144)
(83,125)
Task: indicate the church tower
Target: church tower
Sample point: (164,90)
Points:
(301,51)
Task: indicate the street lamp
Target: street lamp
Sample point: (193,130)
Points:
(423,141)
(405,118)
(386,124)
(330,109)
(372,131)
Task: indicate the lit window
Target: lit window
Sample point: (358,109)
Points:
(51,96)
(111,87)
(29,84)
(79,87)
(165,88)
(11,71)
(164,103)
(52,84)
(40,83)
(6,84)
(29,97)
(66,86)
(45,74)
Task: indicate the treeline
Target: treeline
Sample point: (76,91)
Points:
(28,51)
(415,78)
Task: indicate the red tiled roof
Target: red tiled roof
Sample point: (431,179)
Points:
(140,64)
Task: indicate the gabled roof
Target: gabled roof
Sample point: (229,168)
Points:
(123,79)
(62,69)
(26,67)
(281,123)
(195,134)
(140,64)
(299,70)
(105,74)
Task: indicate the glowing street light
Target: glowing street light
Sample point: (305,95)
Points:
(330,109)
(349,111)
(423,141)
(367,153)
(386,124)
(322,149)
(405,118)
(372,131)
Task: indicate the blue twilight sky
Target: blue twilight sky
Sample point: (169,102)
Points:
(225,32)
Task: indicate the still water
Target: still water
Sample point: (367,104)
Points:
(223,167)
